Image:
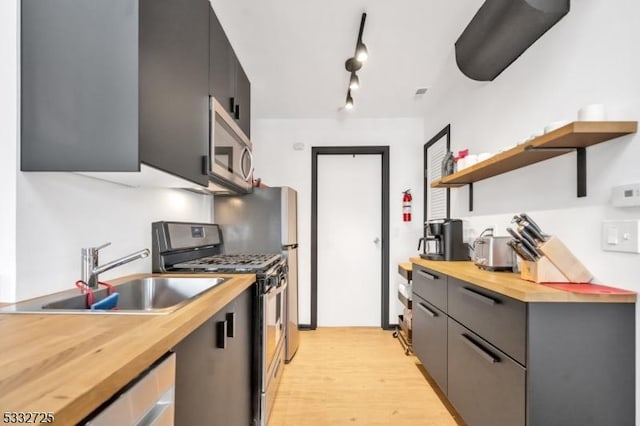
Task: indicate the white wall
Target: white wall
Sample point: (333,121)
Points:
(8,145)
(590,56)
(277,163)
(46,218)
(59,213)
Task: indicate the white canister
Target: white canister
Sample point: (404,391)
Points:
(471,159)
(461,163)
(593,112)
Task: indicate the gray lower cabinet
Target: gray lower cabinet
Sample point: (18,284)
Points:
(430,285)
(497,318)
(430,344)
(215,381)
(502,361)
(484,385)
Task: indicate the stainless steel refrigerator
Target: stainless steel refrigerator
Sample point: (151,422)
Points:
(265,221)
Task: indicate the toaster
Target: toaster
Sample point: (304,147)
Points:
(493,253)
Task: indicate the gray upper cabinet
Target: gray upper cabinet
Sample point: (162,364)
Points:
(221,65)
(242,112)
(109,85)
(228,83)
(174,86)
(79,84)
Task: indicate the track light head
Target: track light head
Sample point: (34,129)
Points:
(349,102)
(354,81)
(361,53)
(352,65)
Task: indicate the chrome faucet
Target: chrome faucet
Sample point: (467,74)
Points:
(90,268)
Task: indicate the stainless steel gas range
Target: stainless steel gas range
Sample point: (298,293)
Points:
(183,247)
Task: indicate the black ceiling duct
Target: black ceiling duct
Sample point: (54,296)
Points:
(501,31)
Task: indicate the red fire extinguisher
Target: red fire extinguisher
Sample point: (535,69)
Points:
(406,206)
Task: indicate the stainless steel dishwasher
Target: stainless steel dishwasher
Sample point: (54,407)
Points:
(147,400)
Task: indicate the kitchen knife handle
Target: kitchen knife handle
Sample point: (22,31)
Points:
(232,104)
(531,222)
(481,297)
(427,310)
(480,350)
(237,112)
(221,334)
(427,275)
(534,232)
(532,256)
(524,233)
(517,247)
(231,324)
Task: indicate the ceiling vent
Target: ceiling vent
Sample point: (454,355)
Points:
(501,31)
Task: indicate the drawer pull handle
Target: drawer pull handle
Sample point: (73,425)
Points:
(426,275)
(231,324)
(488,356)
(221,334)
(427,310)
(481,297)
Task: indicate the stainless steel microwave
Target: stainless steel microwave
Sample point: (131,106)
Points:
(230,156)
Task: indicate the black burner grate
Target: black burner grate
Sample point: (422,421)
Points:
(232,261)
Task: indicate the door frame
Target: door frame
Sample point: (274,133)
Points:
(383,151)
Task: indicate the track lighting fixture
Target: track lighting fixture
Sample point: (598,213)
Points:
(354,82)
(349,102)
(354,64)
(361,52)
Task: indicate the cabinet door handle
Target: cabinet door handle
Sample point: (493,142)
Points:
(427,310)
(484,353)
(481,297)
(205,165)
(232,104)
(231,324)
(221,334)
(426,275)
(237,112)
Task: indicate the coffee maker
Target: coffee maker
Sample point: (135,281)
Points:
(443,240)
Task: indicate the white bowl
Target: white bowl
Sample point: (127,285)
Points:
(485,155)
(593,112)
(555,125)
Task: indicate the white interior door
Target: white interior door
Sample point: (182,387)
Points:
(349,240)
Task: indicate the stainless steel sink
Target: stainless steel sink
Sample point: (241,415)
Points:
(153,295)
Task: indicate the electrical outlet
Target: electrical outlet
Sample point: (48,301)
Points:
(621,235)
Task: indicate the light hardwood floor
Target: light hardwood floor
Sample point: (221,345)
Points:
(347,376)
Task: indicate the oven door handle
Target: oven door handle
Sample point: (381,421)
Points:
(282,284)
(276,289)
(274,269)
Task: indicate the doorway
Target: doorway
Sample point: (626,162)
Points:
(350,236)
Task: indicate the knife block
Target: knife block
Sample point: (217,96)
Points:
(541,271)
(557,265)
(565,261)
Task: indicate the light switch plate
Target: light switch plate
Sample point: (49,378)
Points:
(621,235)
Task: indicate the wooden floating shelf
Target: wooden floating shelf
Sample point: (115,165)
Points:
(579,134)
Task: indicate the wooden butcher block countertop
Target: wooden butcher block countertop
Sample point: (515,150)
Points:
(510,284)
(70,364)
